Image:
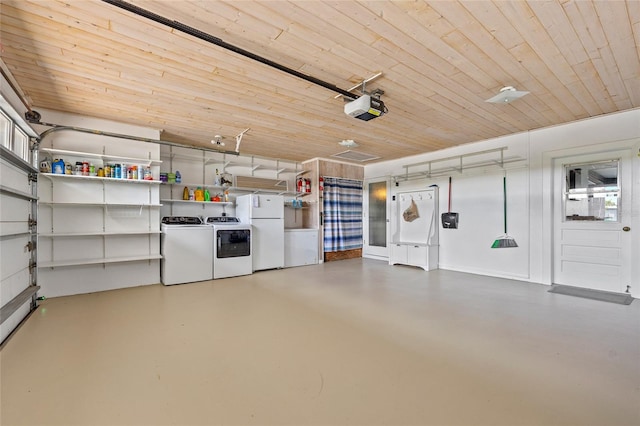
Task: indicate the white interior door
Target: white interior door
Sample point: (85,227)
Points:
(592,221)
(375,219)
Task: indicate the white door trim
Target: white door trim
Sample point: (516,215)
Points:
(548,159)
(368,251)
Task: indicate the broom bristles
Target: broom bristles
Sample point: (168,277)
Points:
(504,241)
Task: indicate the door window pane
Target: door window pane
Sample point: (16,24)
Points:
(378,214)
(592,191)
(21,144)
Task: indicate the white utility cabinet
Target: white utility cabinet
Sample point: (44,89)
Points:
(414,240)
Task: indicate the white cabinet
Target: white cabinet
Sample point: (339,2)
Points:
(415,236)
(300,247)
(414,254)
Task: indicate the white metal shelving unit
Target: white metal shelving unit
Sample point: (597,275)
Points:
(198,169)
(99,233)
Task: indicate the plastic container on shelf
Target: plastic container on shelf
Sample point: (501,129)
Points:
(178,177)
(57,167)
(198,194)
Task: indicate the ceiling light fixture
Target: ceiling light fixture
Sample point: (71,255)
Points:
(217,140)
(506,95)
(350,143)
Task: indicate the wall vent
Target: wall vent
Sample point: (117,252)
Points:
(355,156)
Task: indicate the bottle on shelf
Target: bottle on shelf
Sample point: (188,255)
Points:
(185,193)
(178,176)
(198,194)
(57,167)
(217,182)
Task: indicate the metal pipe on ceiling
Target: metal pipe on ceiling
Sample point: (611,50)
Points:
(57,128)
(221,43)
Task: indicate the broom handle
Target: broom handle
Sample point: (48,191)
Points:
(504,197)
(449,194)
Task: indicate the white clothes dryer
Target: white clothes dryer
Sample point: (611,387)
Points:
(232,253)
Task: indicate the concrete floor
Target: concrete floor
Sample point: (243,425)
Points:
(354,342)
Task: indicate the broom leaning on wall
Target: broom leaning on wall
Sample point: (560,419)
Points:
(504,240)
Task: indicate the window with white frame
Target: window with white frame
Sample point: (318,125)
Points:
(20,143)
(6,126)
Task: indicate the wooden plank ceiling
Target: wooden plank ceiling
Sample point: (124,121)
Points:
(440,61)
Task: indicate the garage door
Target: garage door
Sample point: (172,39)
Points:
(17,229)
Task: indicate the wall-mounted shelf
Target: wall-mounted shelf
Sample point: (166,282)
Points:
(304,205)
(80,204)
(101,179)
(263,167)
(458,163)
(213,203)
(103,157)
(96,261)
(196,185)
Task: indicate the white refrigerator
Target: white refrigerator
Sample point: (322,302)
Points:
(265,213)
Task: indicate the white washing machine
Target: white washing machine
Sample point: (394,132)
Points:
(187,250)
(232,254)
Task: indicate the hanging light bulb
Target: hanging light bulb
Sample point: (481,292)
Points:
(217,140)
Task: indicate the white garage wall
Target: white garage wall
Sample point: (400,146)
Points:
(477,195)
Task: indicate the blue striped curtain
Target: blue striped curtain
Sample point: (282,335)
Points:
(342,204)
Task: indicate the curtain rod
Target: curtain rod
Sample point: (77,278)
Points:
(343,178)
